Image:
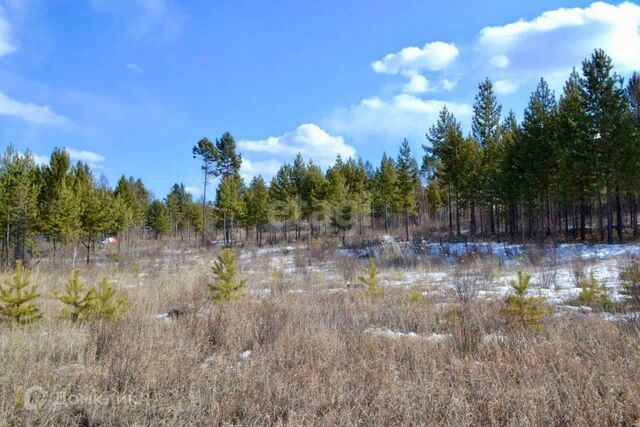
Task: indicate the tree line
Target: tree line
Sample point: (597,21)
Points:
(569,170)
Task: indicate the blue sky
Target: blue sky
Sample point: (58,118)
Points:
(130,85)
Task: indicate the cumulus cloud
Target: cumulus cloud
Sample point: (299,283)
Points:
(404,115)
(6,44)
(308,139)
(266,168)
(32,113)
(499,61)
(573,33)
(94,160)
(417,84)
(135,68)
(432,56)
(504,87)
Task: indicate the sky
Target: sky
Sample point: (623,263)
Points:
(129,86)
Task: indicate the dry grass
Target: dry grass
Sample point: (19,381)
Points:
(313,361)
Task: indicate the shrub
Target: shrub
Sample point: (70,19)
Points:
(630,277)
(226,286)
(520,308)
(17,297)
(370,280)
(594,295)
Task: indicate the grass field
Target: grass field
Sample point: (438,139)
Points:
(306,346)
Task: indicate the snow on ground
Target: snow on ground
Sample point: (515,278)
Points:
(554,270)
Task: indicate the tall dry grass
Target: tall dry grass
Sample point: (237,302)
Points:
(313,360)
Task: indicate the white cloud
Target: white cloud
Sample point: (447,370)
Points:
(448,84)
(40,160)
(6,44)
(499,61)
(135,68)
(308,139)
(194,191)
(432,56)
(402,116)
(417,83)
(33,113)
(572,33)
(266,168)
(505,87)
(94,160)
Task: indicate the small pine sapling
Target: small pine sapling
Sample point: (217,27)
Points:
(415,297)
(630,278)
(594,294)
(77,299)
(524,310)
(17,297)
(370,281)
(226,286)
(107,304)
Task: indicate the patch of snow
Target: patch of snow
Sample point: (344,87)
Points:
(164,317)
(388,333)
(245,354)
(574,308)
(493,338)
(438,337)
(614,317)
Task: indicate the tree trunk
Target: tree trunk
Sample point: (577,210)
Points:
(619,224)
(609,213)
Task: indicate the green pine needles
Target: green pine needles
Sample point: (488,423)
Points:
(82,303)
(522,309)
(370,281)
(17,297)
(226,286)
(594,294)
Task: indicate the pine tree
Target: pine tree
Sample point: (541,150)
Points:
(284,198)
(594,294)
(17,297)
(19,217)
(206,151)
(226,286)
(158,219)
(485,127)
(179,206)
(107,303)
(257,206)
(609,127)
(228,161)
(341,207)
(59,207)
(520,308)
(135,196)
(77,299)
(540,156)
(408,184)
(386,188)
(314,197)
(576,150)
(370,281)
(229,204)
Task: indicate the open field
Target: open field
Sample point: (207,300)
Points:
(305,345)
